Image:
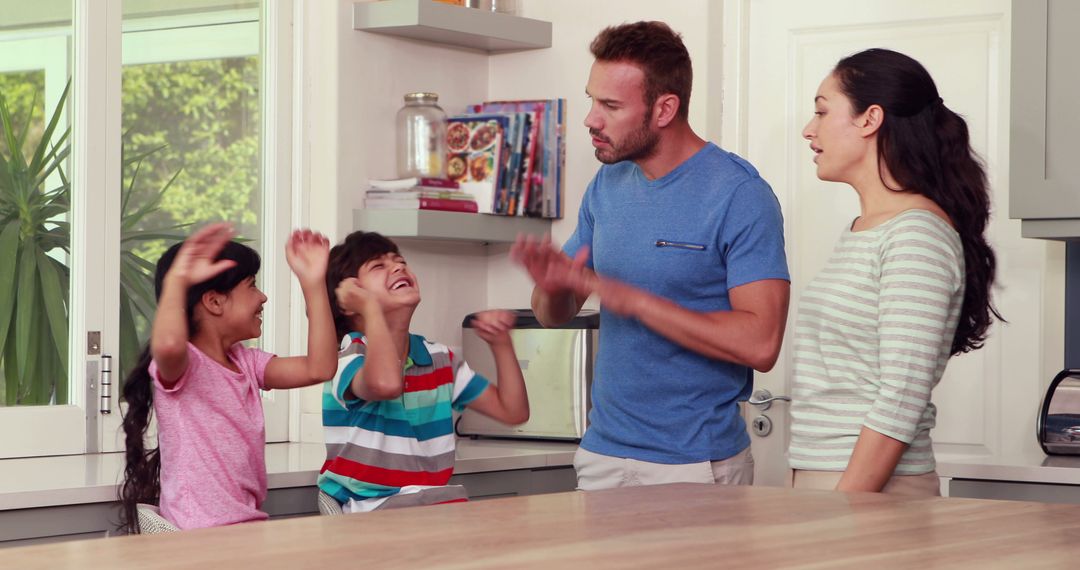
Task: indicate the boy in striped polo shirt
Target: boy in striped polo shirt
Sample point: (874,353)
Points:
(388,411)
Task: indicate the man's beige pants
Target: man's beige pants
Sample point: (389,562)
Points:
(595,471)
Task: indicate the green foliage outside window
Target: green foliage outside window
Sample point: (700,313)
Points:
(200,119)
(206,115)
(190,155)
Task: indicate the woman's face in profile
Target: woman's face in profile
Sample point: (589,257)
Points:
(838,142)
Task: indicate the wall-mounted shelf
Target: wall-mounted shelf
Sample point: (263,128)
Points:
(457,226)
(443,23)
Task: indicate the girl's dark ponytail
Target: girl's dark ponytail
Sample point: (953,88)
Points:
(926,148)
(142,469)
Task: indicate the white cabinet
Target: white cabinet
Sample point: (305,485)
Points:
(1044,182)
(1014,491)
(518,482)
(22,527)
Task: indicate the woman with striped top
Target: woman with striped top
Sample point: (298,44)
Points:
(907,286)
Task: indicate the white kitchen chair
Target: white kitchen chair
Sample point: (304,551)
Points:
(328,505)
(151,521)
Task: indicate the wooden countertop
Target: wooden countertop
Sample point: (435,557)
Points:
(669,526)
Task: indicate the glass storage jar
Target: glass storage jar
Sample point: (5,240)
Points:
(421,137)
(504,6)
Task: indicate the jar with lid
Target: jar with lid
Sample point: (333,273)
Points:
(421,137)
(504,6)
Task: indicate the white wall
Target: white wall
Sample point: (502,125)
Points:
(354,83)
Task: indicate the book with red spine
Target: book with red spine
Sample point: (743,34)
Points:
(422,203)
(449,205)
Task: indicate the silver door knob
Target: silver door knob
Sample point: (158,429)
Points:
(763,399)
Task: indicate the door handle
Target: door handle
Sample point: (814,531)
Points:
(763,399)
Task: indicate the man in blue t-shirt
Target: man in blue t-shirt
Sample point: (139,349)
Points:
(683,244)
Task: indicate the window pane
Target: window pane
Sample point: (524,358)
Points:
(191,144)
(22,93)
(34,202)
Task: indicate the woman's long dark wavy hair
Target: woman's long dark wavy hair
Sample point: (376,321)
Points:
(142,483)
(926,148)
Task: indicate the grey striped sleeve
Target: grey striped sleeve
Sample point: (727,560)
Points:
(920,276)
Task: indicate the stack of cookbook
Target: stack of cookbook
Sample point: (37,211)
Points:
(510,155)
(418,194)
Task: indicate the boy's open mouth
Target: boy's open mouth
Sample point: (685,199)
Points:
(400,284)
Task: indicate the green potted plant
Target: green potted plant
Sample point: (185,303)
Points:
(35,240)
(33,282)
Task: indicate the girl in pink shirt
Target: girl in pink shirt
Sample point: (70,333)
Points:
(203,384)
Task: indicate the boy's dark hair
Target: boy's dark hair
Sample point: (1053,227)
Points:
(346,259)
(658,51)
(142,469)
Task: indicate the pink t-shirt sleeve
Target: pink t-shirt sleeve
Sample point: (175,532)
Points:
(251,361)
(194,360)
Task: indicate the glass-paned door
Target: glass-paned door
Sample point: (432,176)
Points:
(41,411)
(124,124)
(192,143)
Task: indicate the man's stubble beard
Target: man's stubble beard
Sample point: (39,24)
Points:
(638,145)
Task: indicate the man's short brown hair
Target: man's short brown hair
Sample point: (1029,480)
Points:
(658,51)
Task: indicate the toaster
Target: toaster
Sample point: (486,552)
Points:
(1058,428)
(557,364)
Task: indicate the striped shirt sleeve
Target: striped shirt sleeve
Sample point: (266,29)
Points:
(920,275)
(350,361)
(468,385)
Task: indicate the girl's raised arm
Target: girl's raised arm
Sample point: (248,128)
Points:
(195,262)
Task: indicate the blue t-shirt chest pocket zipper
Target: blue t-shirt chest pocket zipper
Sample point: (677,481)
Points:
(680,244)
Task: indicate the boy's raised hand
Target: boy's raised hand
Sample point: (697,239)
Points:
(494,326)
(507,400)
(308,254)
(197,259)
(353,299)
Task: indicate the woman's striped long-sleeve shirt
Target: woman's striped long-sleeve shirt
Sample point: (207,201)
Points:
(873,335)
